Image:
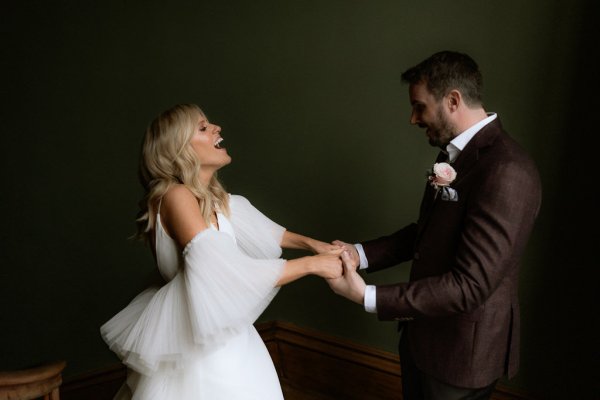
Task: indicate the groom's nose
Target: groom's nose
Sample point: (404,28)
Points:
(414,118)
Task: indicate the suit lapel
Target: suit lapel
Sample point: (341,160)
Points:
(428,199)
(463,164)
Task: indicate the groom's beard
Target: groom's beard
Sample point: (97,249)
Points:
(441,131)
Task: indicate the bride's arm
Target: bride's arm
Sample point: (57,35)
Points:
(291,240)
(183,221)
(326,265)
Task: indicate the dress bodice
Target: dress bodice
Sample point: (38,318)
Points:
(169,257)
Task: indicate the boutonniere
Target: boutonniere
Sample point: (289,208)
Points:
(440,177)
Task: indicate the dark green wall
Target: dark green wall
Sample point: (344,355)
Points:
(310,100)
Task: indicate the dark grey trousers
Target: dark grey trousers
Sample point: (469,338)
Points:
(417,385)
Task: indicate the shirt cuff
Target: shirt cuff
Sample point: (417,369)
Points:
(364,263)
(371,298)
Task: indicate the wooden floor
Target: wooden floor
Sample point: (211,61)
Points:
(106,392)
(104,389)
(295,393)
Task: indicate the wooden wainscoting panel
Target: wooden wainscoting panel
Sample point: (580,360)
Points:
(338,368)
(331,366)
(100,384)
(335,377)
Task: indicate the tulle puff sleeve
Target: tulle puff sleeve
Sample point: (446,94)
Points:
(257,235)
(228,289)
(222,289)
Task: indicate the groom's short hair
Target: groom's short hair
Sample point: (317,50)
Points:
(446,71)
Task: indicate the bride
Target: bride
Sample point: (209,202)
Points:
(194,338)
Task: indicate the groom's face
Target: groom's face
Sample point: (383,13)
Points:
(430,114)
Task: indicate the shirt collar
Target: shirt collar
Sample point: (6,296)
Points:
(458,144)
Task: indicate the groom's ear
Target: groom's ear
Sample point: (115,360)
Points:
(453,100)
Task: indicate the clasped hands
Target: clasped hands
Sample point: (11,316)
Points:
(349,283)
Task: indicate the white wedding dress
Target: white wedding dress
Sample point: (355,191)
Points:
(193,338)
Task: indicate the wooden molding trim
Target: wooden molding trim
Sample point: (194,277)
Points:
(337,347)
(306,359)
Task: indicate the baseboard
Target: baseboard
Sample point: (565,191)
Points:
(304,358)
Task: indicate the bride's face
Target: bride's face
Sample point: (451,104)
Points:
(208,146)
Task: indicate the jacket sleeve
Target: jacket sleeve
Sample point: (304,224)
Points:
(390,250)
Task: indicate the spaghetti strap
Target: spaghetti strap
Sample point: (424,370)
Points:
(159,203)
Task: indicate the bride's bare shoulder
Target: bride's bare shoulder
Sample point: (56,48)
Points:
(181,215)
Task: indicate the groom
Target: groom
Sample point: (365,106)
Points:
(459,313)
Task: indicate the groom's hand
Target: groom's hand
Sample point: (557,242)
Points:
(354,260)
(351,285)
(319,247)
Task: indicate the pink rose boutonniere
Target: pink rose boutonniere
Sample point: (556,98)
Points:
(440,177)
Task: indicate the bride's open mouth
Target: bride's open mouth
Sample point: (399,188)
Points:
(218,143)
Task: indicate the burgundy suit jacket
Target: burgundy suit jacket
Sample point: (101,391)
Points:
(461,303)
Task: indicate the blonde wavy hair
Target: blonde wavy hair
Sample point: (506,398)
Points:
(167,159)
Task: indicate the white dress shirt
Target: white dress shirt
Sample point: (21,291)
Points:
(453,150)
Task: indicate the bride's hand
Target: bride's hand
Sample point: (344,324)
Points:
(354,258)
(328,265)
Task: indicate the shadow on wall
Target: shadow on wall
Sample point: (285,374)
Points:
(561,325)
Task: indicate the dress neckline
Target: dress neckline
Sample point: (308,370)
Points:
(224,226)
